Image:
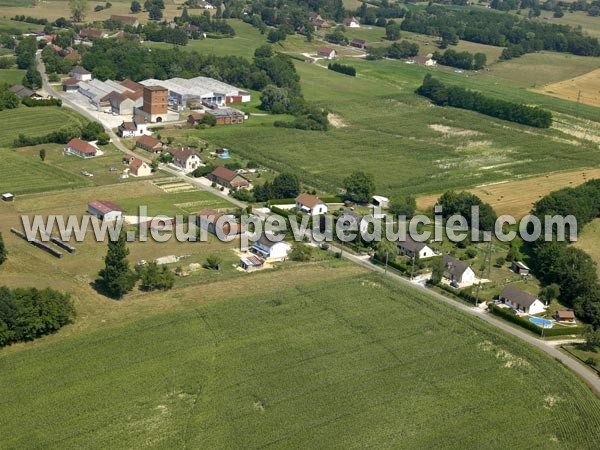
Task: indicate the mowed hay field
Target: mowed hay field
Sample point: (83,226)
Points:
(356,362)
(586,88)
(11,76)
(588,240)
(516,198)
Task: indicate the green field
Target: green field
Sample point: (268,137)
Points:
(11,76)
(357,362)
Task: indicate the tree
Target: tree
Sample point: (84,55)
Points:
(592,338)
(213,262)
(43,154)
(78,9)
(135,7)
(274,99)
(437,271)
(479,61)
(300,252)
(285,185)
(154,277)
(500,261)
(392,31)
(550,292)
(403,206)
(32,78)
(3,251)
(360,186)
(155,13)
(117,278)
(386,251)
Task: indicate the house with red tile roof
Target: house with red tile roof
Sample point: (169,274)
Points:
(80,148)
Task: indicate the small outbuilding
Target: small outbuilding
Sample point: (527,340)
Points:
(251,263)
(379,201)
(8,197)
(565,316)
(519,267)
(104,210)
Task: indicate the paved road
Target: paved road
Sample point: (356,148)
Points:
(590,377)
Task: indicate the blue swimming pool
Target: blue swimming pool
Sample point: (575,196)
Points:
(544,323)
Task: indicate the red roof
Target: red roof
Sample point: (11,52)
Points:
(132,85)
(104,207)
(308,200)
(71,81)
(224,173)
(324,50)
(136,163)
(148,141)
(81,146)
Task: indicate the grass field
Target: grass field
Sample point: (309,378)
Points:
(11,76)
(588,241)
(355,362)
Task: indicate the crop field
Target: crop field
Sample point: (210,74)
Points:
(589,241)
(11,76)
(34,121)
(516,197)
(589,24)
(353,362)
(12,26)
(586,88)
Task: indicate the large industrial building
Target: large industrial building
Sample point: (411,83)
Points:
(121,97)
(200,88)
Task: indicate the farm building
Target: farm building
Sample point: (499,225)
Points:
(149,144)
(565,316)
(195,118)
(457,270)
(22,92)
(311,204)
(184,158)
(521,300)
(139,168)
(519,267)
(105,210)
(411,248)
(218,223)
(182,90)
(268,248)
(358,43)
(228,178)
(132,129)
(80,148)
(92,33)
(422,60)
(351,22)
(379,201)
(326,52)
(251,263)
(318,22)
(70,85)
(227,116)
(127,159)
(125,20)
(79,73)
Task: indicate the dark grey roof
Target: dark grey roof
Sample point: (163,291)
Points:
(21,91)
(454,267)
(411,245)
(518,296)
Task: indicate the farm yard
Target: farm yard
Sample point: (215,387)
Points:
(326,362)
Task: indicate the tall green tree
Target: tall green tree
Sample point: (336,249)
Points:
(285,185)
(117,278)
(78,9)
(360,186)
(3,251)
(135,7)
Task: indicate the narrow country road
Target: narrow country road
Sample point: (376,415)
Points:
(590,377)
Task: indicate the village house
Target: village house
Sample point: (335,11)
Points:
(519,267)
(351,221)
(411,248)
(195,118)
(92,33)
(317,21)
(72,55)
(21,91)
(218,223)
(326,52)
(80,148)
(79,73)
(520,300)
(149,144)
(268,248)
(125,20)
(351,22)
(458,271)
(139,168)
(358,43)
(184,158)
(422,60)
(103,210)
(132,129)
(228,178)
(127,159)
(311,204)
(380,202)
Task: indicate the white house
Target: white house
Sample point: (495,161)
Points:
(409,247)
(132,129)
(185,158)
(107,211)
(80,148)
(311,204)
(352,221)
(269,249)
(458,271)
(379,201)
(351,22)
(326,52)
(520,300)
(79,73)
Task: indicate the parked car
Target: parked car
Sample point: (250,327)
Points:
(454,284)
